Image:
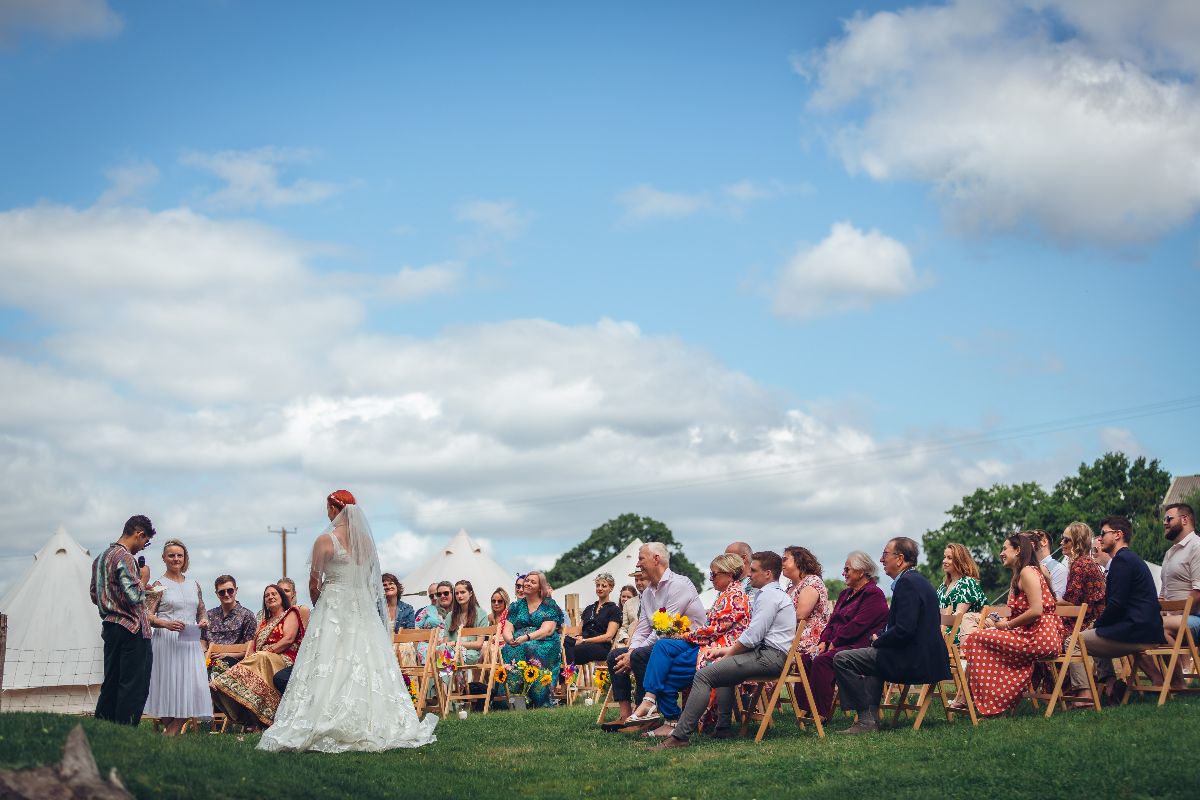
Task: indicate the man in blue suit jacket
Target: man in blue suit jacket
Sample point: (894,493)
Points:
(910,649)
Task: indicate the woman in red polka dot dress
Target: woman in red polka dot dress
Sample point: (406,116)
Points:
(1002,653)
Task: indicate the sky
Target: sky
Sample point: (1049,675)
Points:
(789,273)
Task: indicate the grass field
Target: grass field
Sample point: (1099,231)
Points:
(1136,751)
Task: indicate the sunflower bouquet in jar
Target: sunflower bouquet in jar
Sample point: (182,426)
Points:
(530,674)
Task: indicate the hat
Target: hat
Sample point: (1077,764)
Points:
(637,573)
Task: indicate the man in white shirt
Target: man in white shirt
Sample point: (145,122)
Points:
(667,590)
(1181,566)
(758,654)
(1058,572)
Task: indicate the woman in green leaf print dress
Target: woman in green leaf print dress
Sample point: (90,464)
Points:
(960,590)
(533,630)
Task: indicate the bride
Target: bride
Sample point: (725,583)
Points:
(346,691)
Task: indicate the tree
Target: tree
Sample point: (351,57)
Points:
(610,539)
(1110,485)
(834,586)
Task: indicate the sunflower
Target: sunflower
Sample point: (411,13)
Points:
(546,679)
(501,675)
(529,674)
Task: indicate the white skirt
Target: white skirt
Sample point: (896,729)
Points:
(178,680)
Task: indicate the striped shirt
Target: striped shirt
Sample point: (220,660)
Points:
(117,591)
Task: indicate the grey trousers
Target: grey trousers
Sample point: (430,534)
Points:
(762,663)
(1104,650)
(859,683)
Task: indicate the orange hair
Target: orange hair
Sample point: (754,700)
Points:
(340,499)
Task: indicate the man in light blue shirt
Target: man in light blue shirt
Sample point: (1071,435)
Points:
(758,654)
(1058,571)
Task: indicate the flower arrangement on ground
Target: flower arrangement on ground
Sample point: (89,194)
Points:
(531,674)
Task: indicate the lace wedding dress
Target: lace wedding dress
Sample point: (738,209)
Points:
(346,692)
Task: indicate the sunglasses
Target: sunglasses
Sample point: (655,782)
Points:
(498,601)
(443,594)
(226,592)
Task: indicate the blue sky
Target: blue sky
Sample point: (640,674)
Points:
(465,258)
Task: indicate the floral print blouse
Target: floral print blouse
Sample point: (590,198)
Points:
(818,618)
(1085,584)
(727,619)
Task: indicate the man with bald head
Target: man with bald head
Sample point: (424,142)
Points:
(744,552)
(667,590)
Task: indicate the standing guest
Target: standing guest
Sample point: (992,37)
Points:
(400,614)
(911,648)
(230,622)
(1181,568)
(960,592)
(744,552)
(859,614)
(178,682)
(757,654)
(809,594)
(1002,653)
(673,662)
(1085,584)
(1131,621)
(499,606)
(118,592)
(246,691)
(533,630)
(599,624)
(465,612)
(667,590)
(631,607)
(1054,568)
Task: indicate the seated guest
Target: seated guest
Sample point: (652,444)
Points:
(1131,621)
(432,607)
(518,593)
(744,552)
(600,622)
(673,662)
(499,606)
(960,592)
(1085,584)
(230,622)
(809,594)
(1001,654)
(400,614)
(859,614)
(1181,569)
(630,606)
(436,615)
(289,587)
(666,590)
(910,649)
(465,612)
(757,654)
(1052,567)
(533,630)
(246,691)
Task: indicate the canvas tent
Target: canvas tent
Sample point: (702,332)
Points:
(54,658)
(619,566)
(461,558)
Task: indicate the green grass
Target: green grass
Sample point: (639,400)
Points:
(1136,751)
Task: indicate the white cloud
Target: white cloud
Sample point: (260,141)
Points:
(502,218)
(128,183)
(644,202)
(414,283)
(1016,128)
(202,372)
(252,178)
(63,19)
(848,270)
(1121,440)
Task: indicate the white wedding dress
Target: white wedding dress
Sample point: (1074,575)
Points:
(346,692)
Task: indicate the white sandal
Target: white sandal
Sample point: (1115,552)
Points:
(650,715)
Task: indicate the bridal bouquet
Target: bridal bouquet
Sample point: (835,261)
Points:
(670,626)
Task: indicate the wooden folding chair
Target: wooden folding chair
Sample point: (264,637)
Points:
(608,701)
(423,674)
(1074,652)
(1168,657)
(793,673)
(221,722)
(951,623)
(485,668)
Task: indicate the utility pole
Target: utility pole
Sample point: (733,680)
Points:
(283,534)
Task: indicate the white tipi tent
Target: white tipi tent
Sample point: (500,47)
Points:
(619,566)
(460,559)
(54,659)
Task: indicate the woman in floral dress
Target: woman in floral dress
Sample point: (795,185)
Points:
(809,593)
(959,591)
(533,632)
(1003,652)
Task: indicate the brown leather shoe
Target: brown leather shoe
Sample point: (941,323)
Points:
(670,743)
(722,733)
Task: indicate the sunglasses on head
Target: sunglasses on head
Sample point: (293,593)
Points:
(225,592)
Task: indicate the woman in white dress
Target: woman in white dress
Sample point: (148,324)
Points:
(346,692)
(178,680)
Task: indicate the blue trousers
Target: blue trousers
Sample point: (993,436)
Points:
(671,669)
